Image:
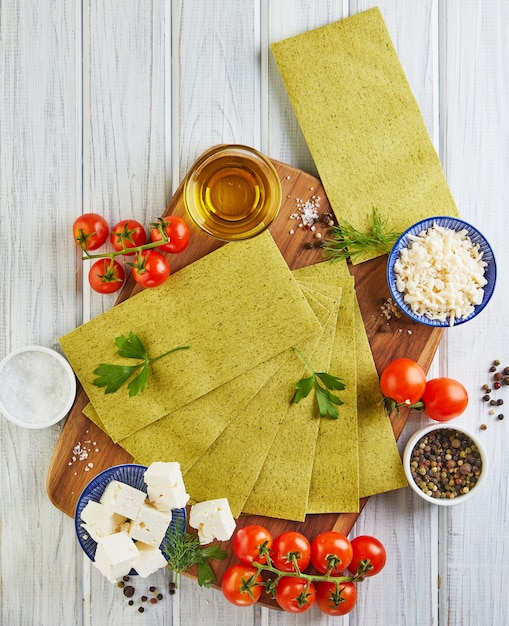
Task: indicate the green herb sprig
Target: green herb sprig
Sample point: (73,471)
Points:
(113,376)
(347,242)
(326,400)
(184,551)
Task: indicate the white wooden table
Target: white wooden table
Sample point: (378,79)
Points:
(104,105)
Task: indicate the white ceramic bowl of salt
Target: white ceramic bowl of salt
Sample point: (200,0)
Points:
(37,387)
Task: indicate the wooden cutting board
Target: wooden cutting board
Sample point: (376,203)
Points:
(83,450)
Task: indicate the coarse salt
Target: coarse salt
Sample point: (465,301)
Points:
(441,274)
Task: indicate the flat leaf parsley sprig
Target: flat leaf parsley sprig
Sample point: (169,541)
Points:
(326,400)
(113,376)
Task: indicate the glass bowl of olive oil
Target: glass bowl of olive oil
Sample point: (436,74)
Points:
(232,192)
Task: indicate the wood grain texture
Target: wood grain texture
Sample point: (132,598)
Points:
(104,105)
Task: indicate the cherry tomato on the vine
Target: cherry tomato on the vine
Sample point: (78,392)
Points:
(403,381)
(331,549)
(128,234)
(90,231)
(295,595)
(106,276)
(335,598)
(444,399)
(290,546)
(241,584)
(248,541)
(175,229)
(150,268)
(367,547)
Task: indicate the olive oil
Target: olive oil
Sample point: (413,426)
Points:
(232,192)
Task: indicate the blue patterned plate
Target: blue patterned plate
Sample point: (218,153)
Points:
(452,223)
(132,475)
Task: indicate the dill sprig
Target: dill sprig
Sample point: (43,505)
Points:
(184,551)
(347,242)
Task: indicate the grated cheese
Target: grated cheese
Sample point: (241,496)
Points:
(441,274)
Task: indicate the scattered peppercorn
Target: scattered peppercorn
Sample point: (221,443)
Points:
(172,588)
(159,596)
(152,589)
(505,371)
(125,578)
(506,380)
(493,368)
(498,376)
(128,591)
(500,401)
(144,598)
(496,362)
(500,416)
(496,385)
(483,427)
(131,602)
(153,600)
(120,584)
(486,397)
(141,609)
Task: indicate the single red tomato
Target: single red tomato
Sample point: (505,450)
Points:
(295,595)
(242,584)
(335,598)
(403,381)
(332,550)
(367,548)
(444,399)
(290,547)
(251,543)
(127,234)
(175,229)
(106,276)
(90,231)
(150,268)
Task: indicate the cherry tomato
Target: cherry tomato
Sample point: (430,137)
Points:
(150,268)
(128,234)
(90,231)
(444,399)
(106,276)
(176,230)
(240,585)
(366,547)
(248,542)
(295,595)
(403,381)
(289,546)
(335,598)
(331,549)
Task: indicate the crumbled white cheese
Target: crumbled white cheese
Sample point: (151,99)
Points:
(123,499)
(441,274)
(115,555)
(165,486)
(99,521)
(149,560)
(212,519)
(150,525)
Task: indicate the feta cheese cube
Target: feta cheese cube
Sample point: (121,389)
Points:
(165,486)
(212,519)
(168,498)
(115,555)
(100,521)
(150,525)
(123,499)
(149,560)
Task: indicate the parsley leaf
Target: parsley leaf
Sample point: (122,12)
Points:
(327,401)
(113,376)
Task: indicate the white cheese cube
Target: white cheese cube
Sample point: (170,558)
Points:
(168,498)
(165,474)
(150,525)
(123,499)
(212,519)
(100,521)
(115,555)
(149,560)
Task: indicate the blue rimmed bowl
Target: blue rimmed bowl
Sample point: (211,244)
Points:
(131,474)
(476,237)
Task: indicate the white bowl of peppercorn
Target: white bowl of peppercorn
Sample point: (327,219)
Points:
(444,464)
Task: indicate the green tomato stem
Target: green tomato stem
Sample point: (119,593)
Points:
(145,246)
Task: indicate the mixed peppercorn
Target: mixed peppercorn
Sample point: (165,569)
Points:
(499,379)
(445,463)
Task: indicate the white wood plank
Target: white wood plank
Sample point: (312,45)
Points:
(475,103)
(38,180)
